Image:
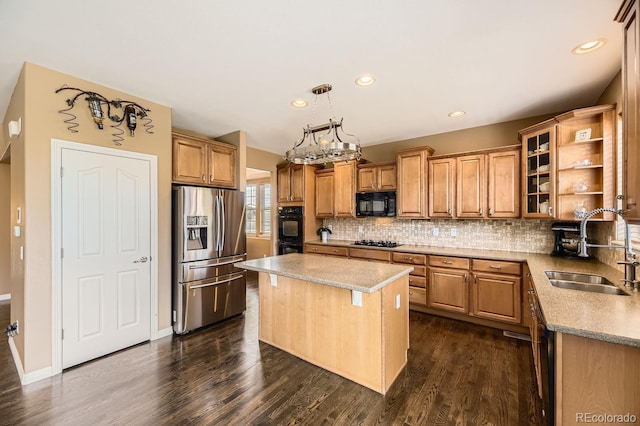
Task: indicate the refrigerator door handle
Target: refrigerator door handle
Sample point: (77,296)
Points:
(217,213)
(224,225)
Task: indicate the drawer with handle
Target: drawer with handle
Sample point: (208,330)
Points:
(369,254)
(449,262)
(330,250)
(496,266)
(411,258)
(418,296)
(417,281)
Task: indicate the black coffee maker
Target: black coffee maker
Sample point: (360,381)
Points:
(567,239)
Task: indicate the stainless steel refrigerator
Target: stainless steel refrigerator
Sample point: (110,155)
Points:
(208,238)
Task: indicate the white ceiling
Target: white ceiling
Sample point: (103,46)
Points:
(229,65)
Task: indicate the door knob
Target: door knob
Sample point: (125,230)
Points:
(143,259)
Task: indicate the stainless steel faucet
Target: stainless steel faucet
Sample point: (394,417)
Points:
(630,262)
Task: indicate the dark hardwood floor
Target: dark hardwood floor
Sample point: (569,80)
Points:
(458,374)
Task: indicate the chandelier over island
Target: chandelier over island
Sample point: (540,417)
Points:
(324,143)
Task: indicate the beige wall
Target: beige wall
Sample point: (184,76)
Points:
(259,247)
(5,228)
(490,136)
(15,111)
(31,159)
(263,160)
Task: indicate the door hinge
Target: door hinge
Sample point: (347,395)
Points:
(62,253)
(62,334)
(61,171)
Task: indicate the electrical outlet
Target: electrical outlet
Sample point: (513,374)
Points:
(436,232)
(360,228)
(454,232)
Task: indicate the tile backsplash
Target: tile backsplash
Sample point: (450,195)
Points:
(533,236)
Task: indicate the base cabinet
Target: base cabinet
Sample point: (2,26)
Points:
(448,290)
(496,295)
(417,278)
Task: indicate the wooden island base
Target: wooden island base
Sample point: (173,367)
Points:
(319,324)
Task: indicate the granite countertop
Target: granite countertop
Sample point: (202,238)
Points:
(350,274)
(607,317)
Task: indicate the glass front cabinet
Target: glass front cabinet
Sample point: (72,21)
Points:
(569,165)
(538,158)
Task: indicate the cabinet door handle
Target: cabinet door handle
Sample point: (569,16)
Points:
(447,262)
(408,258)
(490,211)
(480,211)
(551,211)
(475,278)
(210,178)
(449,212)
(495,266)
(465,278)
(204,179)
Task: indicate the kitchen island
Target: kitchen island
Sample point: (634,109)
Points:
(350,317)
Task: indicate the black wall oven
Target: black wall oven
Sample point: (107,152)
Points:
(290,229)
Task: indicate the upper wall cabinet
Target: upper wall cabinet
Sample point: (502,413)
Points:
(568,165)
(484,184)
(201,161)
(412,182)
(442,191)
(344,188)
(628,16)
(291,183)
(376,177)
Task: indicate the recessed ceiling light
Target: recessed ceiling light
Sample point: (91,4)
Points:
(299,103)
(589,46)
(365,80)
(455,114)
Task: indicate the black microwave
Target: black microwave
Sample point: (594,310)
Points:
(376,204)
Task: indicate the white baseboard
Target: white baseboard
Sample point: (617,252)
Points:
(25,379)
(5,296)
(162,333)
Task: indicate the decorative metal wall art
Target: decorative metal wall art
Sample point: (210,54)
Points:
(131,112)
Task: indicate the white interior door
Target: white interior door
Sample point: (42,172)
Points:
(106,242)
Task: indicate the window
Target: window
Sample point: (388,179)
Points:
(258,205)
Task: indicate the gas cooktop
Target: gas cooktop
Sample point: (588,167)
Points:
(376,243)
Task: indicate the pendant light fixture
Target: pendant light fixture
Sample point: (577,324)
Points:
(324,143)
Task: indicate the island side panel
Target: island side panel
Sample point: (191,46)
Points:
(318,323)
(396,329)
(594,377)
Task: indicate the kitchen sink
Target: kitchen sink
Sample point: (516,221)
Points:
(583,282)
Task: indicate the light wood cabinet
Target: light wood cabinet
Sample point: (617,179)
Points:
(586,167)
(496,290)
(370,254)
(291,183)
(471,186)
(377,177)
(326,250)
(344,188)
(412,182)
(448,286)
(503,184)
(324,193)
(201,161)
(483,184)
(442,177)
(538,170)
(628,16)
(448,289)
(417,278)
(568,165)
